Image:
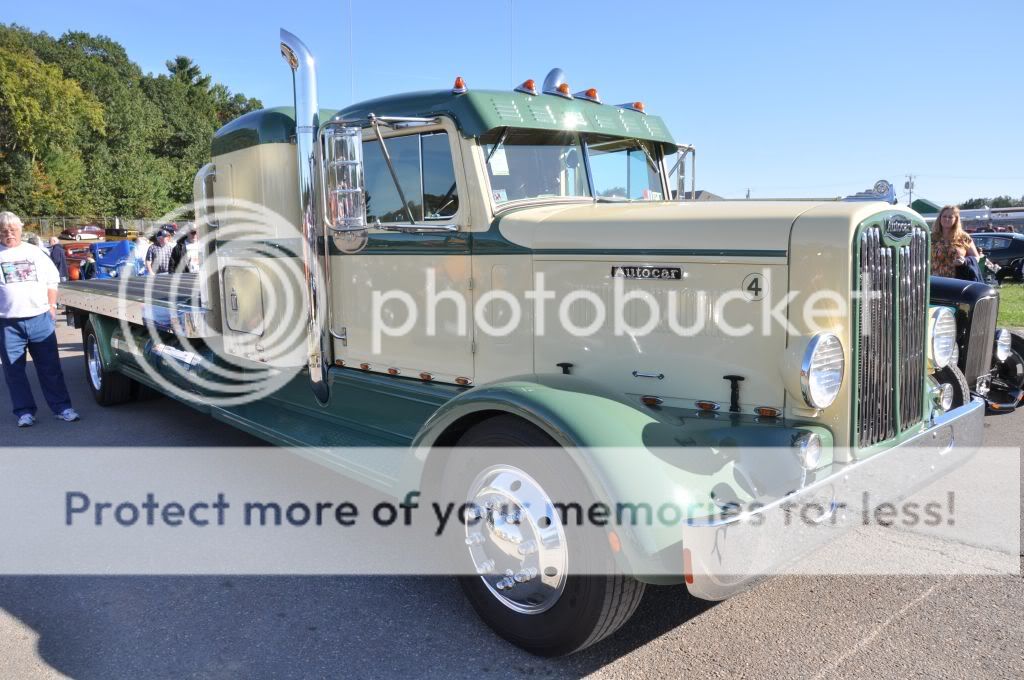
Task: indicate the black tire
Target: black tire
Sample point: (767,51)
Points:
(591,606)
(108,388)
(1011,371)
(955,377)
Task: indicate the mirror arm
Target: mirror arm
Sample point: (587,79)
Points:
(391,168)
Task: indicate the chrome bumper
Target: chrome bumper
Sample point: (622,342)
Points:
(724,556)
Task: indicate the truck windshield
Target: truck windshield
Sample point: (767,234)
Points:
(534,164)
(528,164)
(624,169)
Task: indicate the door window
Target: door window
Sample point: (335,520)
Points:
(423,164)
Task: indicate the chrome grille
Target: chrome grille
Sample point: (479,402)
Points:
(891,328)
(982,340)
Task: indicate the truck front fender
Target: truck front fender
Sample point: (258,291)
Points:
(627,452)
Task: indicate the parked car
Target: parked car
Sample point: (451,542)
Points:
(75,254)
(988,361)
(86,232)
(1005,249)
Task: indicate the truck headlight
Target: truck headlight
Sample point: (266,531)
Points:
(1003,340)
(943,337)
(807,448)
(821,372)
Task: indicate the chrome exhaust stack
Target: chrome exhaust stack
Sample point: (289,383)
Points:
(307,126)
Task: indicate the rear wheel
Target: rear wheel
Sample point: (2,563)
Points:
(1011,371)
(108,388)
(951,375)
(524,552)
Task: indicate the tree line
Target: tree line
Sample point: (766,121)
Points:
(83,131)
(997,202)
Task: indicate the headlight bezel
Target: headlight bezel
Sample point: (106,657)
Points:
(947,319)
(806,366)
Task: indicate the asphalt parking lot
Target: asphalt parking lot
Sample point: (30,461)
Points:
(281,627)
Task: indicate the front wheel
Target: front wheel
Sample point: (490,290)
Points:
(523,550)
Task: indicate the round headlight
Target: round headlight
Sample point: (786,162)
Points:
(946,397)
(1003,341)
(943,336)
(807,447)
(821,373)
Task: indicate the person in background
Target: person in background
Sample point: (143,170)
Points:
(28,315)
(185,256)
(59,258)
(158,257)
(141,248)
(34,240)
(951,245)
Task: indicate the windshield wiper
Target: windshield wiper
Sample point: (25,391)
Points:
(501,140)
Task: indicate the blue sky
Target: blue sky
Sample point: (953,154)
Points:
(784,99)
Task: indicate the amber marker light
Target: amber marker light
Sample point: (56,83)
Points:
(339,362)
(564,89)
(463,381)
(651,401)
(426,377)
(639,106)
(767,412)
(365,367)
(708,406)
(687,567)
(460,85)
(393,371)
(590,95)
(528,87)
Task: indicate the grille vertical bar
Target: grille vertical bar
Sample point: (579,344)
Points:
(893,313)
(982,340)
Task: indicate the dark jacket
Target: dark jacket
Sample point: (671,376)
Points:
(60,260)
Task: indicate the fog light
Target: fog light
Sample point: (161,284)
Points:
(807,448)
(945,396)
(1003,342)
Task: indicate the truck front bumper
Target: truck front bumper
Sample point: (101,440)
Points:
(725,555)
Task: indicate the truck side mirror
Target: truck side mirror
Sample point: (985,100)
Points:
(344,197)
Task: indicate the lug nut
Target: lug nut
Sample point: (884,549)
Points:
(525,575)
(485,567)
(527,548)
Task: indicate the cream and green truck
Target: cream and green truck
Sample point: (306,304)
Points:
(364,214)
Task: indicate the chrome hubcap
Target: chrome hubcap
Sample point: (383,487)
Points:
(92,355)
(516,539)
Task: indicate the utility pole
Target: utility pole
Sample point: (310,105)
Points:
(909,186)
(748,194)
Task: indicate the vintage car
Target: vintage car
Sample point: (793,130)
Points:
(988,361)
(85,232)
(75,254)
(1004,249)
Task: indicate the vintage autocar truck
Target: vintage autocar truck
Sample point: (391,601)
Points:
(479,193)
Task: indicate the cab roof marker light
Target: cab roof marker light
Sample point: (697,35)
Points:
(528,87)
(555,84)
(633,106)
(589,95)
(460,85)
(708,406)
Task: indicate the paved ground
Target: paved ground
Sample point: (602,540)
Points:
(273,627)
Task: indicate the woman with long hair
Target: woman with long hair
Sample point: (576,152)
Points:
(950,243)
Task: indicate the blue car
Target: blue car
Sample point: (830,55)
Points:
(114,259)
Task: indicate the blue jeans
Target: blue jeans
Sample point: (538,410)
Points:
(38,335)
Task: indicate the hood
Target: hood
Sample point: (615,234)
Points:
(731,227)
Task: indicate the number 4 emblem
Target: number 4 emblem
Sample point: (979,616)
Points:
(754,287)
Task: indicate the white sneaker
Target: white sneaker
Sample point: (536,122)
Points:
(26,420)
(68,415)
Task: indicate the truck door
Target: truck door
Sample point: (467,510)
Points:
(402,305)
